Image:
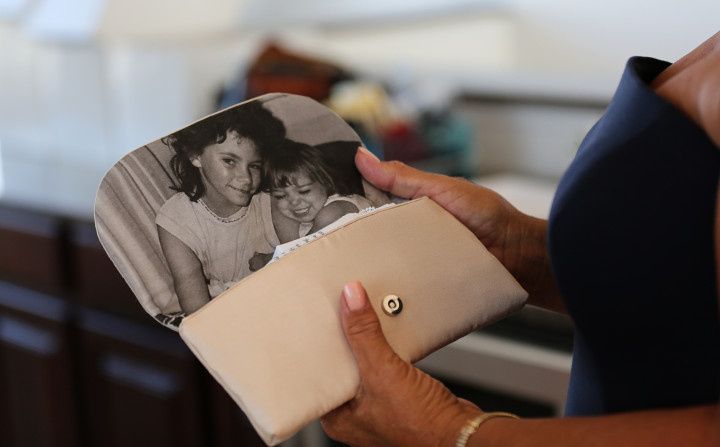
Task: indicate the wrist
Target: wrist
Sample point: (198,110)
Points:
(525,248)
(530,262)
(453,424)
(494,429)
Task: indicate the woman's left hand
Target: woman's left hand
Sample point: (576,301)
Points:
(396,404)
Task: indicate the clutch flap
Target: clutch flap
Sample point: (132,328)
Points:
(275,342)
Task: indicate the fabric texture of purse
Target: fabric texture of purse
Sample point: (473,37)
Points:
(274,340)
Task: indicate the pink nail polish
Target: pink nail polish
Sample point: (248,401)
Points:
(368,153)
(354,296)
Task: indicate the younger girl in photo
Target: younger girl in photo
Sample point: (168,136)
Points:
(302,187)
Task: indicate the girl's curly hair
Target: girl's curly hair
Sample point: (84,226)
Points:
(251,120)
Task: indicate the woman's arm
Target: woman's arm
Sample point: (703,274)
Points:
(517,240)
(397,404)
(186,269)
(332,212)
(691,426)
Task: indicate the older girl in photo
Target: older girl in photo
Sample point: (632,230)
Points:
(210,229)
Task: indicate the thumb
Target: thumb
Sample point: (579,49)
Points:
(362,329)
(395,177)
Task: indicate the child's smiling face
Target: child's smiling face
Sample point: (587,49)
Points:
(231,172)
(302,200)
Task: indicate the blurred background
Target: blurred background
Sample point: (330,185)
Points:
(499,91)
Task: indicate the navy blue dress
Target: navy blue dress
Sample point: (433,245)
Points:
(631,245)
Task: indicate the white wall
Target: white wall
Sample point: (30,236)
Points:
(139,73)
(603,33)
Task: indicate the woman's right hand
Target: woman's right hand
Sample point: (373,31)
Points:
(517,240)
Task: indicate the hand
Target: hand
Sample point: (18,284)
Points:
(396,403)
(483,211)
(518,241)
(259,260)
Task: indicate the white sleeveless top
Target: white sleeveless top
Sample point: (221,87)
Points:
(224,245)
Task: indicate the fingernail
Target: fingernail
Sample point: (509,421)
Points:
(354,296)
(368,153)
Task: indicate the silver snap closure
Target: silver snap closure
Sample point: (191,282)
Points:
(392,305)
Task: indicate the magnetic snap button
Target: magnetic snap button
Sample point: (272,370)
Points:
(392,305)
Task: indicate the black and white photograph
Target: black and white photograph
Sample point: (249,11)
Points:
(187,216)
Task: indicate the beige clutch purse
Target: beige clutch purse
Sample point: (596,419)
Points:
(274,340)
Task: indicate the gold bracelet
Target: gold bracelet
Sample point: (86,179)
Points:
(472,425)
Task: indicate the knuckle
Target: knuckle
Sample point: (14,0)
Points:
(363,324)
(395,164)
(460,179)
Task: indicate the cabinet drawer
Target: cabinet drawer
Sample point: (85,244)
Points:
(31,247)
(96,282)
(140,385)
(38,406)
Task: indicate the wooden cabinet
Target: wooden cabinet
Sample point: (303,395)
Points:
(140,385)
(37,381)
(31,250)
(96,282)
(80,361)
(229,425)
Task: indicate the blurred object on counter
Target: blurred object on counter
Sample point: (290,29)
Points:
(277,69)
(426,134)
(444,133)
(366,106)
(435,135)
(410,122)
(403,141)
(362,102)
